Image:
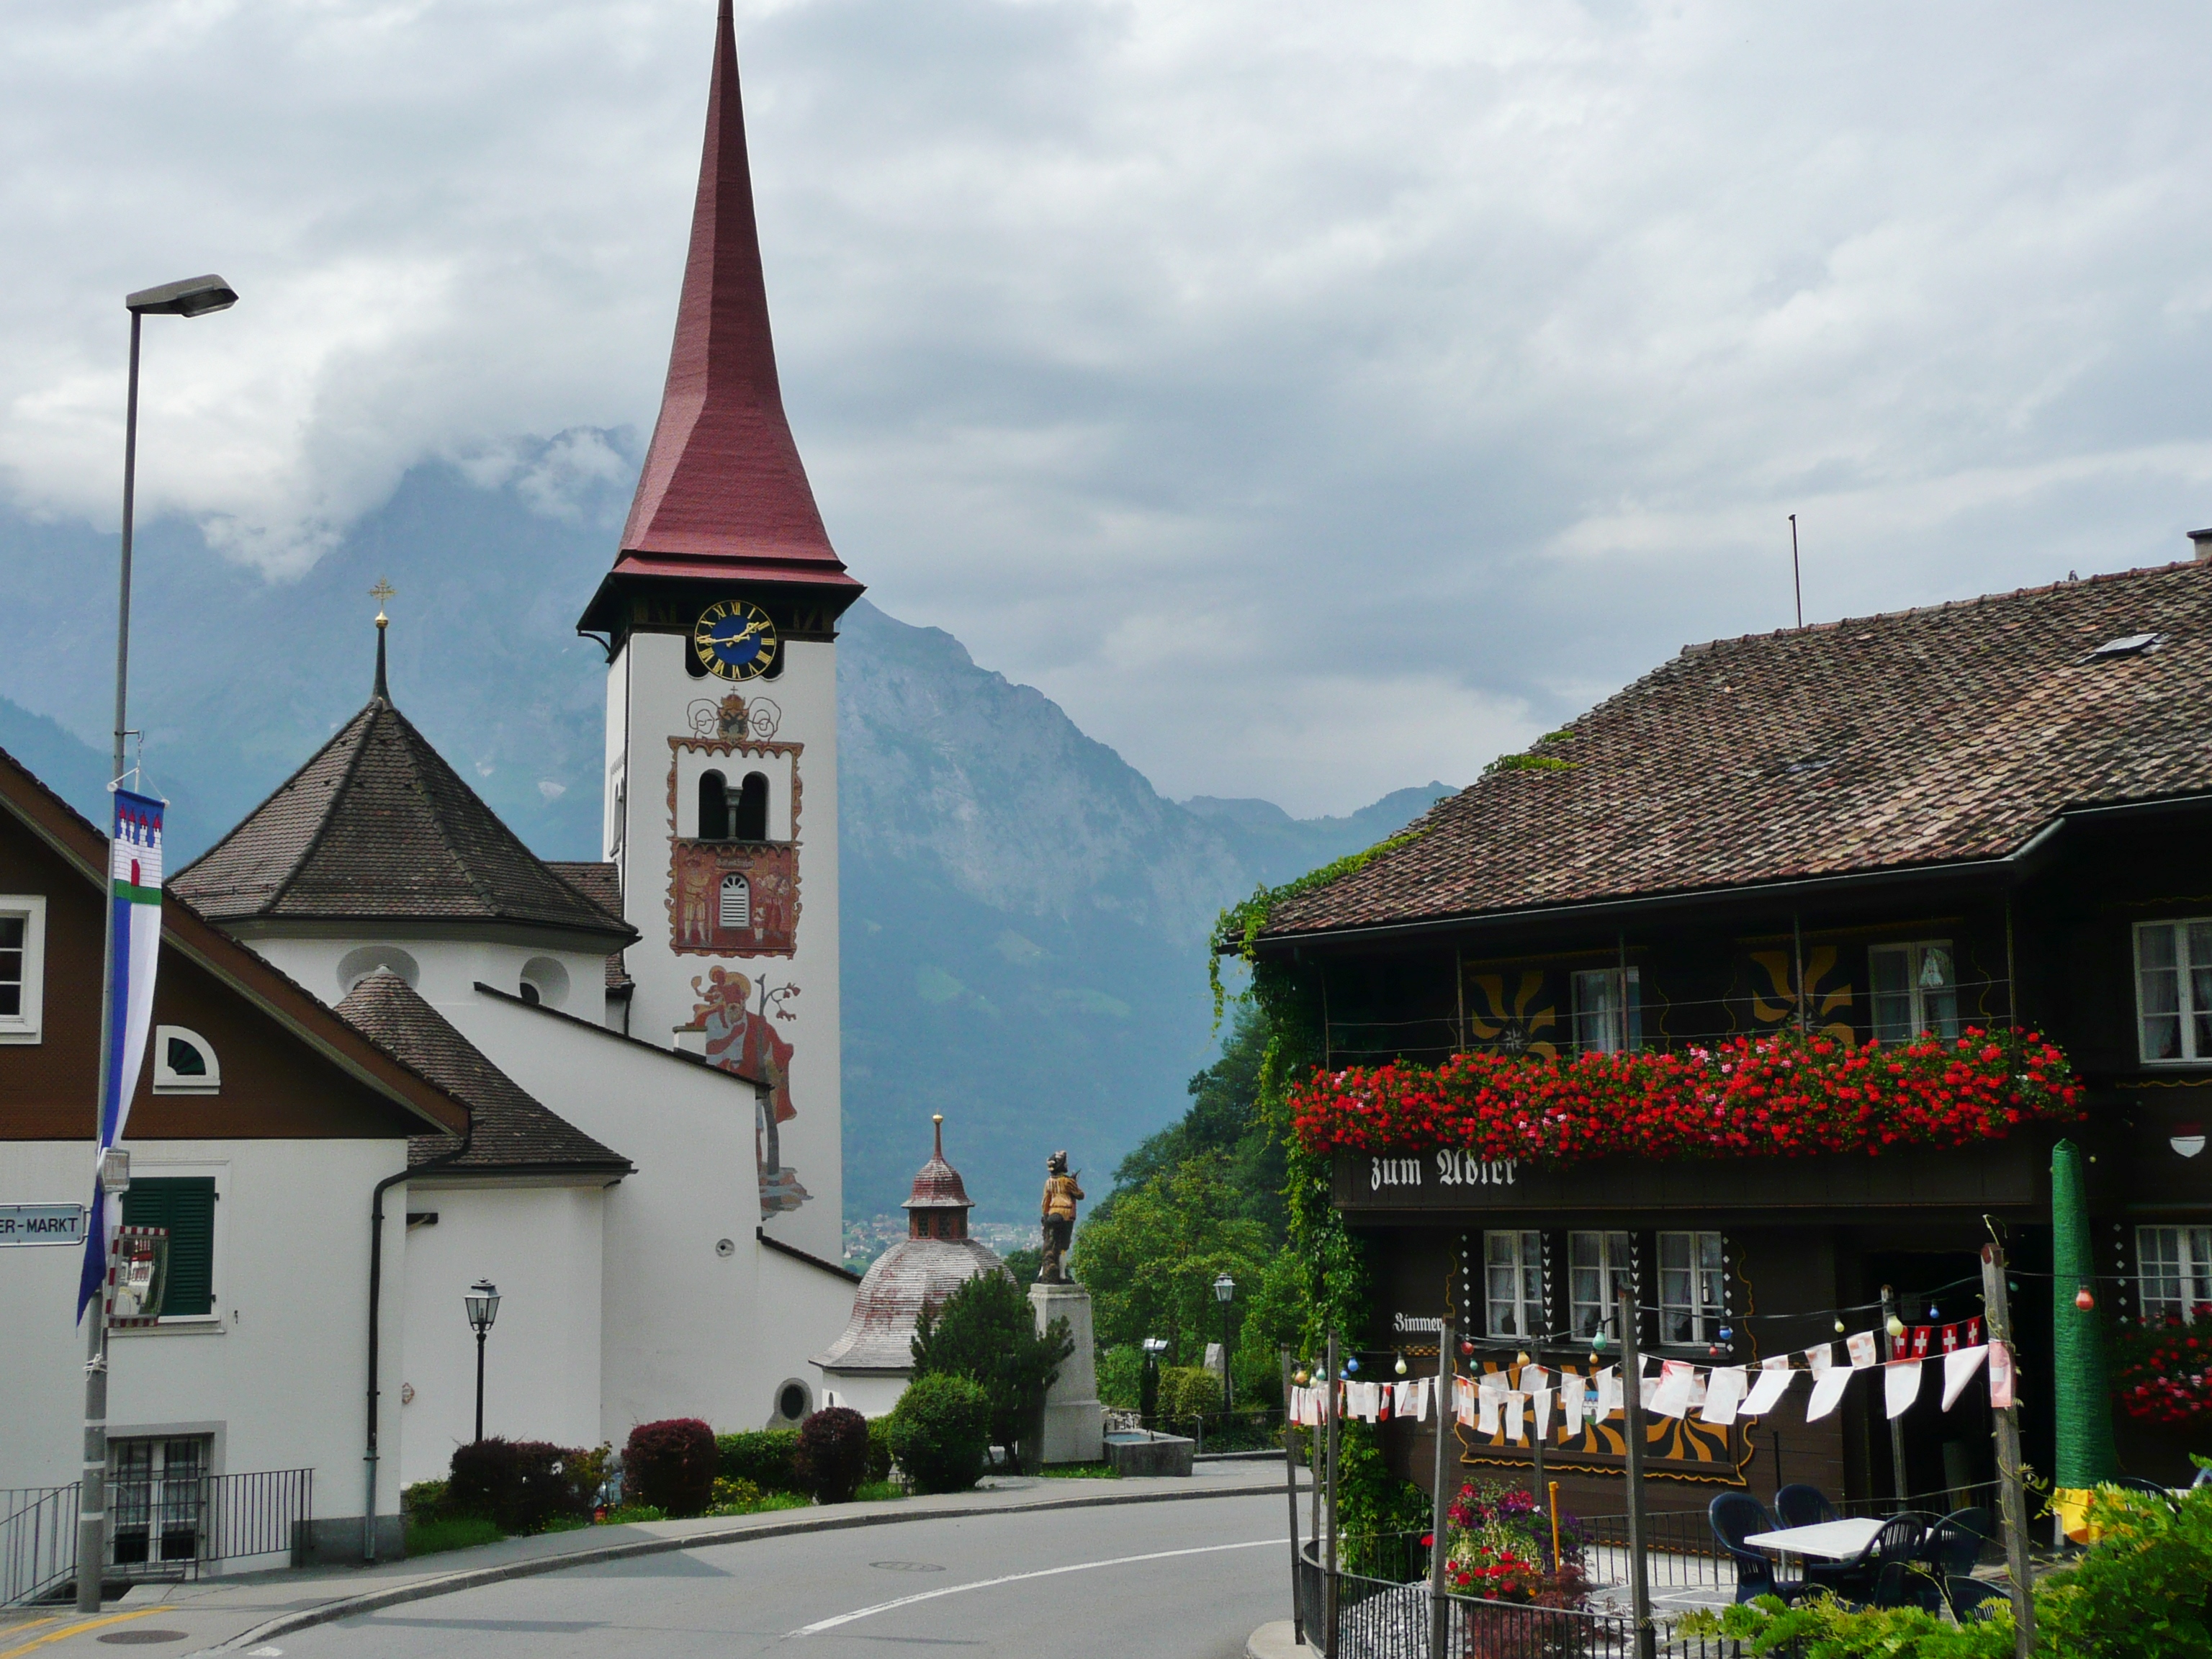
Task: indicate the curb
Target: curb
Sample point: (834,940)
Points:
(422,1590)
(1277,1640)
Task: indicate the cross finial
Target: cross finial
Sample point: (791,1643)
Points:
(382,591)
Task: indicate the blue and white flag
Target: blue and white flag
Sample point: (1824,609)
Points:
(134,923)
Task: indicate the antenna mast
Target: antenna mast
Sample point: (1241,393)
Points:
(1796,581)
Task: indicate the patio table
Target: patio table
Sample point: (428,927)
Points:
(1831,1541)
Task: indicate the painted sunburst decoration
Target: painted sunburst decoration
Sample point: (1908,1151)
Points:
(1515,1024)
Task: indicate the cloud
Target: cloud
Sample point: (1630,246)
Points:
(1295,392)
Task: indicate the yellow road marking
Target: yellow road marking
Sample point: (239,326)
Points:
(75,1630)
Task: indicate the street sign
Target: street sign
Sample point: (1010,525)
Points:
(41,1224)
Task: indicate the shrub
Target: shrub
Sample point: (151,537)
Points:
(767,1457)
(833,1454)
(986,1332)
(1120,1372)
(423,1500)
(433,1535)
(941,1431)
(879,1449)
(517,1484)
(1189,1391)
(729,1497)
(671,1465)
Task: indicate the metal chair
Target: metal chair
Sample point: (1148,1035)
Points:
(1955,1543)
(2136,1483)
(1881,1573)
(1734,1516)
(1974,1598)
(1803,1506)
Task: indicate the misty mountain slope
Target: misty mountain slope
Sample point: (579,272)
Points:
(1024,917)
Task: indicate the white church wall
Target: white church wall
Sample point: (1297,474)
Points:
(686,1330)
(872,1393)
(802,1298)
(648,680)
(541,1245)
(443,968)
(276,1374)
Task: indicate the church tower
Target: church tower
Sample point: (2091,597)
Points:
(720,621)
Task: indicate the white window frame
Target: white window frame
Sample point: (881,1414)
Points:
(1705,1260)
(28,1024)
(167,1081)
(1519,1256)
(1615,1266)
(1915,953)
(2179,1257)
(2192,998)
(1599,1004)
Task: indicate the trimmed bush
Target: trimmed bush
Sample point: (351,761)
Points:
(519,1485)
(879,1449)
(1189,1391)
(669,1465)
(767,1457)
(940,1432)
(833,1454)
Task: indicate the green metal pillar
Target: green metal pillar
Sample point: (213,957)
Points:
(2081,1388)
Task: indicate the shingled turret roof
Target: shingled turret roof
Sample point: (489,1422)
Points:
(1911,741)
(376,826)
(508,1129)
(724,493)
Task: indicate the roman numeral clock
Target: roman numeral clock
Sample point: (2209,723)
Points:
(734,639)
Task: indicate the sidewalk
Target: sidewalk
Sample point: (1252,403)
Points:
(239,1613)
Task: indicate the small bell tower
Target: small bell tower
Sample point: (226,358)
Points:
(720,621)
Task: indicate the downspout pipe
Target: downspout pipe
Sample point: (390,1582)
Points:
(375,1297)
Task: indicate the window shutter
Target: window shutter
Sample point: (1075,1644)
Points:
(186,1205)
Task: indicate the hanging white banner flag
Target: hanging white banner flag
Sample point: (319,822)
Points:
(1863,1351)
(1464,1401)
(1649,1387)
(1517,1416)
(1420,1408)
(1486,1412)
(1774,1378)
(2001,1376)
(1819,1357)
(1538,1384)
(1607,1382)
(1670,1394)
(1722,1390)
(1827,1389)
(1958,1368)
(1570,1402)
(1900,1386)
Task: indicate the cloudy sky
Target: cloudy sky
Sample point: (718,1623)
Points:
(1313,398)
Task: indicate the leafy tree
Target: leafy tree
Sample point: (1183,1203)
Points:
(1150,1261)
(985,1332)
(1025,1265)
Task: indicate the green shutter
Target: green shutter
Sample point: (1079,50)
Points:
(186,1205)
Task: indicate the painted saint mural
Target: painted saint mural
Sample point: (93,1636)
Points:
(740,1027)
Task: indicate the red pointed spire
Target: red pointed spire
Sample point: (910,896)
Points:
(723,492)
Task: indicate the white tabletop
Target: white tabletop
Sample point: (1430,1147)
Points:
(1834,1540)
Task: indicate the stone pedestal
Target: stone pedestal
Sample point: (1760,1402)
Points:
(1074,1423)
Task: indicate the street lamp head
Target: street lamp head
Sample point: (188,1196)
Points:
(1223,1288)
(195,296)
(481,1300)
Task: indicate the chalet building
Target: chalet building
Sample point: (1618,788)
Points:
(1984,814)
(261,1128)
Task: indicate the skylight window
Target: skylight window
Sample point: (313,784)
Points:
(2128,645)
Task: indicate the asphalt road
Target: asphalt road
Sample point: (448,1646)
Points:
(1148,1580)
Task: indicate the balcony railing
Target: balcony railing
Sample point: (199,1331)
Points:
(157,1529)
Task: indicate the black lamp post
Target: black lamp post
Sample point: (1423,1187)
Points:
(481,1300)
(1225,1288)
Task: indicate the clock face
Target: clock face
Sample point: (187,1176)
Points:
(734,639)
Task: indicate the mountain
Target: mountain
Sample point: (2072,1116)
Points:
(1025,917)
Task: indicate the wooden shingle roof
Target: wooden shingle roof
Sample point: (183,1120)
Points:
(1914,739)
(376,826)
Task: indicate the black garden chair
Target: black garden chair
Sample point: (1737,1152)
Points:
(1953,1544)
(1882,1575)
(1799,1505)
(1734,1516)
(1974,1598)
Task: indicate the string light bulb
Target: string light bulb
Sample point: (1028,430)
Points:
(1401,1364)
(1894,1325)
(2083,1300)
(1351,1366)
(1839,1327)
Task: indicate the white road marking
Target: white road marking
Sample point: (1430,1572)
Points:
(821,1624)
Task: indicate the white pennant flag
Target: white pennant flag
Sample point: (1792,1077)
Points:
(1670,1396)
(1517,1415)
(1648,1390)
(1958,1368)
(1463,1401)
(1827,1389)
(1609,1393)
(1571,1398)
(1900,1386)
(1863,1351)
(1542,1400)
(1819,1357)
(1774,1379)
(1724,1388)
(1485,1418)
(2001,1376)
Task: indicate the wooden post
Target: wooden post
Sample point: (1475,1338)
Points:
(1291,1496)
(1535,1453)
(1632,1406)
(1896,1435)
(1336,1438)
(2012,1491)
(1439,1608)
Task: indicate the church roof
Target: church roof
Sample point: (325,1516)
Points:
(601,882)
(937,1184)
(376,826)
(508,1129)
(724,493)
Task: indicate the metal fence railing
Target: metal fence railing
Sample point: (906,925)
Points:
(158,1529)
(1377,1615)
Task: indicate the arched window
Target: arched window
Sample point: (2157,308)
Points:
(749,812)
(736,901)
(714,807)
